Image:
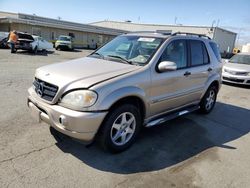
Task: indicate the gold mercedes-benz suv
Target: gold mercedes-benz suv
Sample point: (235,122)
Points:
(136,80)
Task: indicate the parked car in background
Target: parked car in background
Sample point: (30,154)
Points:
(64,43)
(3,35)
(237,69)
(32,43)
(136,80)
(4,39)
(4,43)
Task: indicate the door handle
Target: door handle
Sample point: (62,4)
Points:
(209,69)
(187,73)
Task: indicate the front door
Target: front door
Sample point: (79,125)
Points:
(173,89)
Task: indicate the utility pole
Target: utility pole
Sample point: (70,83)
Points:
(175,20)
(238,37)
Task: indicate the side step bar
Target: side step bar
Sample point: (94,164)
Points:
(172,115)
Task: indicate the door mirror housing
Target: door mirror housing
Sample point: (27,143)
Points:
(165,66)
(227,61)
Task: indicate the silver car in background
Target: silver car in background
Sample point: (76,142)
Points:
(237,69)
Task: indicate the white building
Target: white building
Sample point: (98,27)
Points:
(246,48)
(225,39)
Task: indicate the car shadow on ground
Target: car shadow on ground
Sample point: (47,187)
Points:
(167,145)
(237,85)
(39,53)
(67,50)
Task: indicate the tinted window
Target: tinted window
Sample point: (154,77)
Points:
(176,52)
(215,49)
(196,53)
(205,54)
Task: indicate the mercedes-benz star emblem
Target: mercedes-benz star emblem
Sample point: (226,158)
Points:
(40,89)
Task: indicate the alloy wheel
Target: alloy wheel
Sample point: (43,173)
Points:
(210,100)
(123,128)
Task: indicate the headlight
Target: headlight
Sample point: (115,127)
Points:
(79,99)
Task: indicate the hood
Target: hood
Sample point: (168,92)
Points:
(25,37)
(237,67)
(84,72)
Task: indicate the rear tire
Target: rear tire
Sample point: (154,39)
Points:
(209,99)
(120,128)
(35,50)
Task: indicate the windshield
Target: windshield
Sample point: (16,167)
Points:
(129,49)
(241,59)
(64,38)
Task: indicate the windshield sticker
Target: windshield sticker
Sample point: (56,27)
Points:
(146,39)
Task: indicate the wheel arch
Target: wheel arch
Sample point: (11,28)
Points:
(127,95)
(134,100)
(216,81)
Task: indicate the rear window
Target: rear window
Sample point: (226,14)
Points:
(216,50)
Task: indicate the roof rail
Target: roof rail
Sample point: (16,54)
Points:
(142,32)
(194,34)
(153,32)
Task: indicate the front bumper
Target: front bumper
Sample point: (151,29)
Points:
(24,47)
(63,46)
(230,78)
(79,125)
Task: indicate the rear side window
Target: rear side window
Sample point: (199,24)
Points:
(199,55)
(215,49)
(205,54)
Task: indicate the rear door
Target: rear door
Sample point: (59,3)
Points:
(199,66)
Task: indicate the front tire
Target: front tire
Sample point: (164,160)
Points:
(208,101)
(120,128)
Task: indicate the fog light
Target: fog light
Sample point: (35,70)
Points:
(62,120)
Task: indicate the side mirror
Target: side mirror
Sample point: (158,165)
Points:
(165,66)
(227,61)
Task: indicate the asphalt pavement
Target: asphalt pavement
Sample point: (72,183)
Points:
(192,151)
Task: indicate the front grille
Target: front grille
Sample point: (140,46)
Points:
(236,72)
(45,90)
(233,80)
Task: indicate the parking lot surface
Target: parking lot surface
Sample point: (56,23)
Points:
(192,151)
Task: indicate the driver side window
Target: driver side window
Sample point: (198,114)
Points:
(176,52)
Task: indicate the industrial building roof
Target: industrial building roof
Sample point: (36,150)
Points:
(130,26)
(101,27)
(7,17)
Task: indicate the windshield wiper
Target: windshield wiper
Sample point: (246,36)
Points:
(121,58)
(96,53)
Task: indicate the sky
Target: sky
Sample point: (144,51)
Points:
(233,15)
